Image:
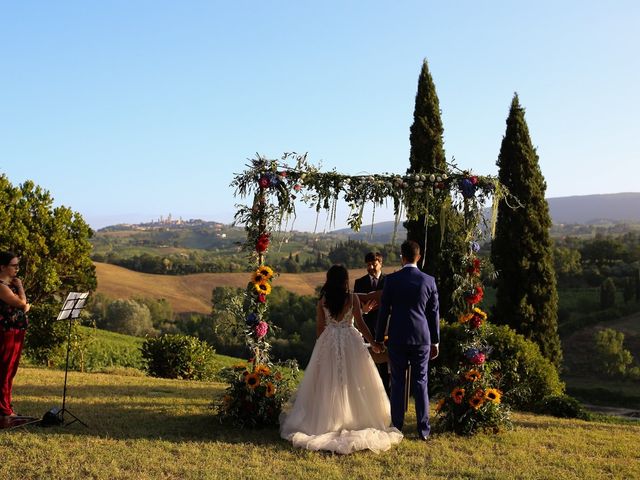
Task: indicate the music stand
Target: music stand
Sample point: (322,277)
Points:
(71,308)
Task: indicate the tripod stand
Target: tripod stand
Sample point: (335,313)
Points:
(73,305)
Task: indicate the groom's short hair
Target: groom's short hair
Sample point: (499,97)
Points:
(410,250)
(372,257)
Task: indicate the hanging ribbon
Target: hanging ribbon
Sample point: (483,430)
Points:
(426,230)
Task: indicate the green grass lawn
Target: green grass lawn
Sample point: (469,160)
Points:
(146,428)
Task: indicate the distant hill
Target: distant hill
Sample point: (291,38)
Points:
(611,208)
(593,209)
(580,209)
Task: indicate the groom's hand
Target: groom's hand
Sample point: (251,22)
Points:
(377,347)
(435,350)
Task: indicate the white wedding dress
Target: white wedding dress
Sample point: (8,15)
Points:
(341,405)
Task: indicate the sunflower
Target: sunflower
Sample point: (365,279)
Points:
(257,277)
(439,405)
(457,394)
(263,287)
(476,402)
(479,393)
(265,272)
(472,375)
(252,380)
(262,370)
(477,311)
(465,317)
(493,395)
(271,390)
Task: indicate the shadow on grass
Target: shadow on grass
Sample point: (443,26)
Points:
(139,412)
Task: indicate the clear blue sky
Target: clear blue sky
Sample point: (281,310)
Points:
(128,110)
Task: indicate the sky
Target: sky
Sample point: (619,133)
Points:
(131,110)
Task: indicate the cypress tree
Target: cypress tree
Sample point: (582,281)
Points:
(445,244)
(526,295)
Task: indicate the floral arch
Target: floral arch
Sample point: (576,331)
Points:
(257,391)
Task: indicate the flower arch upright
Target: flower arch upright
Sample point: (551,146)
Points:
(275,186)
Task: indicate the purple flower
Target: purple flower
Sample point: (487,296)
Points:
(252,319)
(475,246)
(471,352)
(467,187)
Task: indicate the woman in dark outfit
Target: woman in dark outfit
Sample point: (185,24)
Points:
(13,324)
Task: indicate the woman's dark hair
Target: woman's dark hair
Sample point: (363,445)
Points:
(6,257)
(336,289)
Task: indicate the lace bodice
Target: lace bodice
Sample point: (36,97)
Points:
(345,318)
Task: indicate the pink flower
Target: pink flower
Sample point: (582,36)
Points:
(478,358)
(297,187)
(261,329)
(474,180)
(264,181)
(476,321)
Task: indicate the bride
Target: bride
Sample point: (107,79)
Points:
(341,404)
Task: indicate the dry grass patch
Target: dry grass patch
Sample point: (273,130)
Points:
(192,293)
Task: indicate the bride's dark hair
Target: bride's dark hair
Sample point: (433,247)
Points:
(336,289)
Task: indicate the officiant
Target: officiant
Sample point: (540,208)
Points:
(371,282)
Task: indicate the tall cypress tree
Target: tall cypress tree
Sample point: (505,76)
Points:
(445,243)
(526,296)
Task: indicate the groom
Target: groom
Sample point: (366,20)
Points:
(411,297)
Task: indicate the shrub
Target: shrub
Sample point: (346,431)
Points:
(129,317)
(179,356)
(526,377)
(612,358)
(562,406)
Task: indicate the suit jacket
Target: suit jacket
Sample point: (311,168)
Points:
(411,297)
(363,285)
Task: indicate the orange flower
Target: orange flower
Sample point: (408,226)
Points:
(465,317)
(476,402)
(472,375)
(439,405)
(262,370)
(271,389)
(252,380)
(457,394)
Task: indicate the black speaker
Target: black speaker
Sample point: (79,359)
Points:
(51,418)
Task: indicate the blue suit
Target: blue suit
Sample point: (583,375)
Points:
(411,297)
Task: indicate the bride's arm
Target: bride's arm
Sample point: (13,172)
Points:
(321,322)
(360,325)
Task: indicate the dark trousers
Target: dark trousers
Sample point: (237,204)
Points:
(11,342)
(400,356)
(383,371)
